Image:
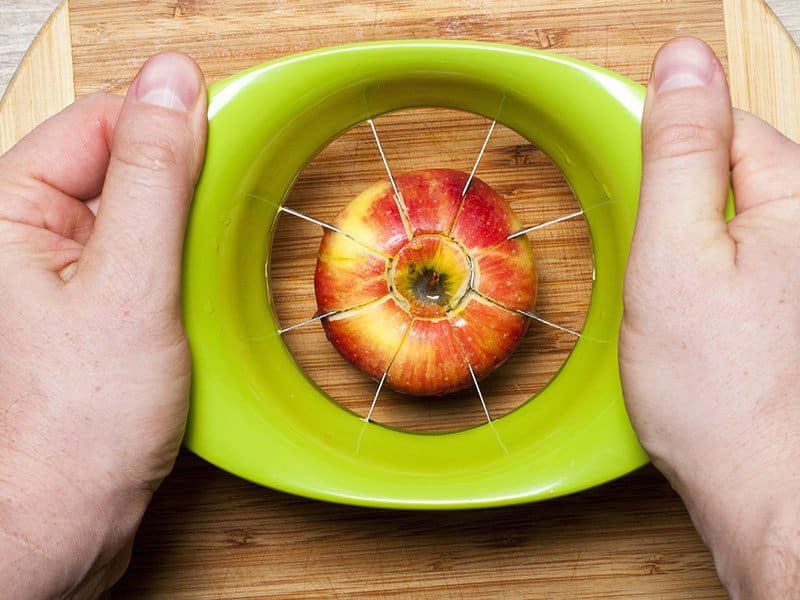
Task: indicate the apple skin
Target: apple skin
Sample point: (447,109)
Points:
(432,199)
(373,219)
(502,273)
(487,332)
(430,361)
(425,286)
(369,337)
(347,274)
(485,219)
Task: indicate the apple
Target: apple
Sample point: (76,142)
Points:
(425,286)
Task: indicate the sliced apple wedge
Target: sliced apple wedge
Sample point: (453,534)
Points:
(432,198)
(488,333)
(430,361)
(369,336)
(347,275)
(505,273)
(373,218)
(485,218)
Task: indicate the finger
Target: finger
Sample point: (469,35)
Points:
(61,162)
(38,205)
(69,152)
(686,140)
(765,163)
(156,154)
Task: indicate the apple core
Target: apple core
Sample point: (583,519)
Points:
(421,287)
(430,275)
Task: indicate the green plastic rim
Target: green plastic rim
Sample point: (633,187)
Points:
(255,413)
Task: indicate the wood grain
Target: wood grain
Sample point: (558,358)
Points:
(225,37)
(210,535)
(756,36)
(20,21)
(43,83)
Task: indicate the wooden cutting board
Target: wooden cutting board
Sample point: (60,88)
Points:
(210,535)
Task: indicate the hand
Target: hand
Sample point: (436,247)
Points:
(710,339)
(94,364)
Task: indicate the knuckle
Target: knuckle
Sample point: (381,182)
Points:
(151,153)
(683,138)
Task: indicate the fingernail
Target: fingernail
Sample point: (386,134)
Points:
(168,80)
(683,63)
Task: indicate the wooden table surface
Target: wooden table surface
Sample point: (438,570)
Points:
(211,535)
(20,20)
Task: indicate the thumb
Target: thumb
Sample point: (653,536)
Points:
(687,133)
(156,155)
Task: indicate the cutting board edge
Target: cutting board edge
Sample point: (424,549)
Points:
(47,65)
(769,93)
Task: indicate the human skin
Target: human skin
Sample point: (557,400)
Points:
(710,339)
(94,367)
(94,364)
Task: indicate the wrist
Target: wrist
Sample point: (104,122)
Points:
(755,541)
(61,537)
(765,561)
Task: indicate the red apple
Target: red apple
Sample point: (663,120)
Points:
(426,284)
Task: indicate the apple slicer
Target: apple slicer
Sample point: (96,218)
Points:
(290,143)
